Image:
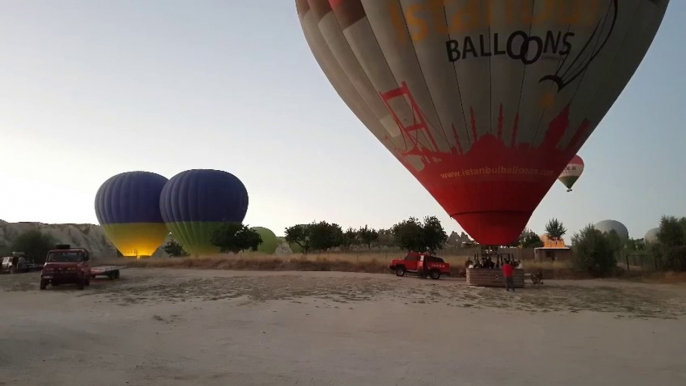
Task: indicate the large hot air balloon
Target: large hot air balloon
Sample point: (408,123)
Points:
(484,102)
(572,172)
(128,208)
(195,202)
(269,241)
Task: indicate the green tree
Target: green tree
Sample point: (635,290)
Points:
(615,241)
(35,245)
(670,251)
(299,234)
(324,236)
(434,234)
(555,229)
(235,237)
(594,252)
(529,239)
(175,249)
(635,245)
(409,235)
(350,238)
(415,236)
(671,232)
(385,237)
(368,236)
(5,250)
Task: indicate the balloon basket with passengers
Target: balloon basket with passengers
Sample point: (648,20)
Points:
(485,269)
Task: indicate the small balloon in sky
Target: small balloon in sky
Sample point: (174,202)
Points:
(572,172)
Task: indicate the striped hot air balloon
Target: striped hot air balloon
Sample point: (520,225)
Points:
(572,172)
(128,208)
(483,101)
(196,202)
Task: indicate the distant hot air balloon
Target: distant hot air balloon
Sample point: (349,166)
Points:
(484,102)
(195,202)
(607,226)
(269,241)
(572,172)
(651,237)
(128,208)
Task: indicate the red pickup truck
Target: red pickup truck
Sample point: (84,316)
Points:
(414,263)
(65,265)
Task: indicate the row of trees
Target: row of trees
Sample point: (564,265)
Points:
(595,252)
(599,253)
(554,230)
(411,234)
(228,237)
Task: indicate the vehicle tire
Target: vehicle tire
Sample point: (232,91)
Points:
(110,275)
(116,274)
(87,282)
(400,271)
(80,284)
(43,284)
(435,275)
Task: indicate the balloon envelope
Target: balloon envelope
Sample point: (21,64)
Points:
(651,236)
(195,203)
(269,241)
(572,172)
(606,226)
(484,102)
(128,208)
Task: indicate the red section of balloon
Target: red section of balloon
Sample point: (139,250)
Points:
(492,189)
(576,161)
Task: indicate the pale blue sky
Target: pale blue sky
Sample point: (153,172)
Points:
(92,88)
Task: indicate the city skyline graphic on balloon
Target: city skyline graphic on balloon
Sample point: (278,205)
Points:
(194,203)
(127,207)
(484,103)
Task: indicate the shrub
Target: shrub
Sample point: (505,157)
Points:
(35,244)
(594,252)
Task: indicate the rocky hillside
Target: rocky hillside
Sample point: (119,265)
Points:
(87,236)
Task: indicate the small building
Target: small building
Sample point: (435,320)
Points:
(553,250)
(553,254)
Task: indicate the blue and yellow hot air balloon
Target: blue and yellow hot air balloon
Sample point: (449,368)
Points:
(196,202)
(128,208)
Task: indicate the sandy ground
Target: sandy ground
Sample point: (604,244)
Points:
(183,327)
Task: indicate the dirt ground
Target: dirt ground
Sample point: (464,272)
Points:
(190,327)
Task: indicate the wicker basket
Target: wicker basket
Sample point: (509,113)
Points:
(481,277)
